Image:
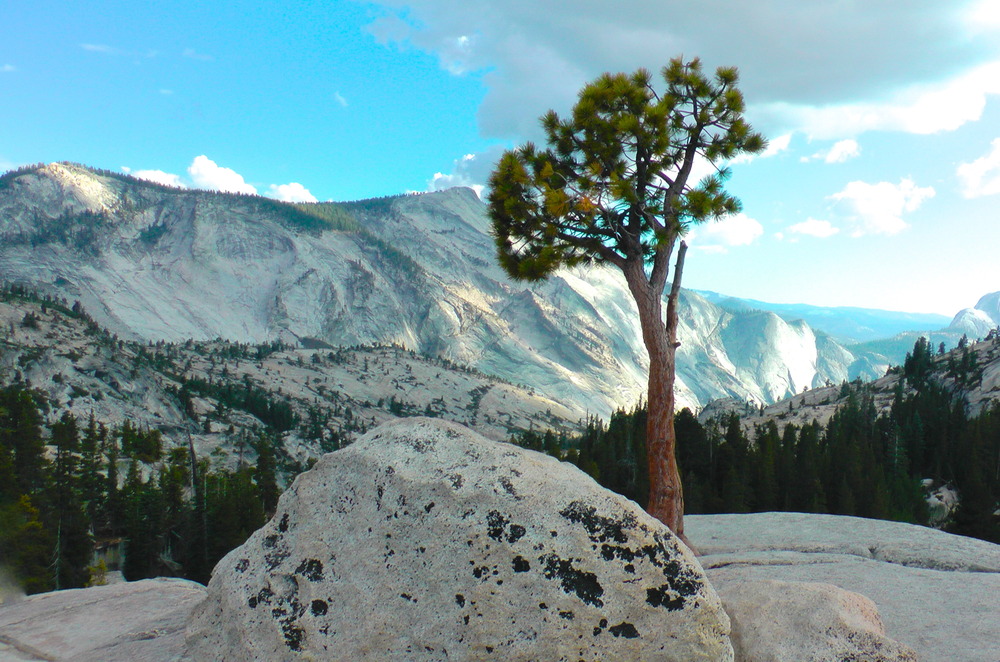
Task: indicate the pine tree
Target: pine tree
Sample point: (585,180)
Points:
(613,187)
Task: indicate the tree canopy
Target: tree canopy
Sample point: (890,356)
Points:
(613,183)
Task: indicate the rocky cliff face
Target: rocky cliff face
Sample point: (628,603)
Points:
(150,262)
(979,321)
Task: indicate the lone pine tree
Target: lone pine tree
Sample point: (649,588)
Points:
(613,187)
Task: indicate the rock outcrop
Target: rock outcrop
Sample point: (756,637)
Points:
(124,622)
(775,621)
(937,593)
(425,541)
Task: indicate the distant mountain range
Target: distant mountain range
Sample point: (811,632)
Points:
(151,262)
(844,324)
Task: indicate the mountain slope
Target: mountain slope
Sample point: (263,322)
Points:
(156,263)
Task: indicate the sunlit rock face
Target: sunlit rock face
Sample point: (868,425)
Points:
(933,590)
(425,541)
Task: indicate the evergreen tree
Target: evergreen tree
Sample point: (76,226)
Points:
(613,187)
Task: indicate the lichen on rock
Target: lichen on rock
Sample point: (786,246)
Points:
(379,552)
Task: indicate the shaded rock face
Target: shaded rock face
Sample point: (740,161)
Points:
(425,541)
(775,621)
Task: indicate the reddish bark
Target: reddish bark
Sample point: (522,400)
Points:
(666,495)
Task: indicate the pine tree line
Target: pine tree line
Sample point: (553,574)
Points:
(862,462)
(67,514)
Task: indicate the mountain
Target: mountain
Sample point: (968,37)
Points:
(970,373)
(210,393)
(846,324)
(979,321)
(152,263)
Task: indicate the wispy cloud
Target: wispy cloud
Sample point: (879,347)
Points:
(879,208)
(207,174)
(192,54)
(841,151)
(339,98)
(813,227)
(982,176)
(7,68)
(100,48)
(166,92)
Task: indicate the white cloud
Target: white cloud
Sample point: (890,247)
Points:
(293,192)
(158,176)
(207,174)
(814,227)
(472,170)
(919,108)
(719,236)
(843,150)
(339,98)
(982,176)
(166,92)
(7,68)
(839,152)
(879,208)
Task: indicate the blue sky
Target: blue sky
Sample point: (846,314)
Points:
(881,187)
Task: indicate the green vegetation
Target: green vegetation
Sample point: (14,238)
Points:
(862,462)
(56,509)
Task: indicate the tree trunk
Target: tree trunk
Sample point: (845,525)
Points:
(666,496)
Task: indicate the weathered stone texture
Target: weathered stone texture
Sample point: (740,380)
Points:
(425,541)
(776,621)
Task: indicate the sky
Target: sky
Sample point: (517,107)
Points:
(880,187)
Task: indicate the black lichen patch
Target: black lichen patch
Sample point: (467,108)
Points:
(521,564)
(294,635)
(456,480)
(664,597)
(495,525)
(573,580)
(242,565)
(626,630)
(508,487)
(407,596)
(460,599)
(599,527)
(311,569)
(429,507)
(497,528)
(263,596)
(319,607)
(270,541)
(283,524)
(273,559)
(568,615)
